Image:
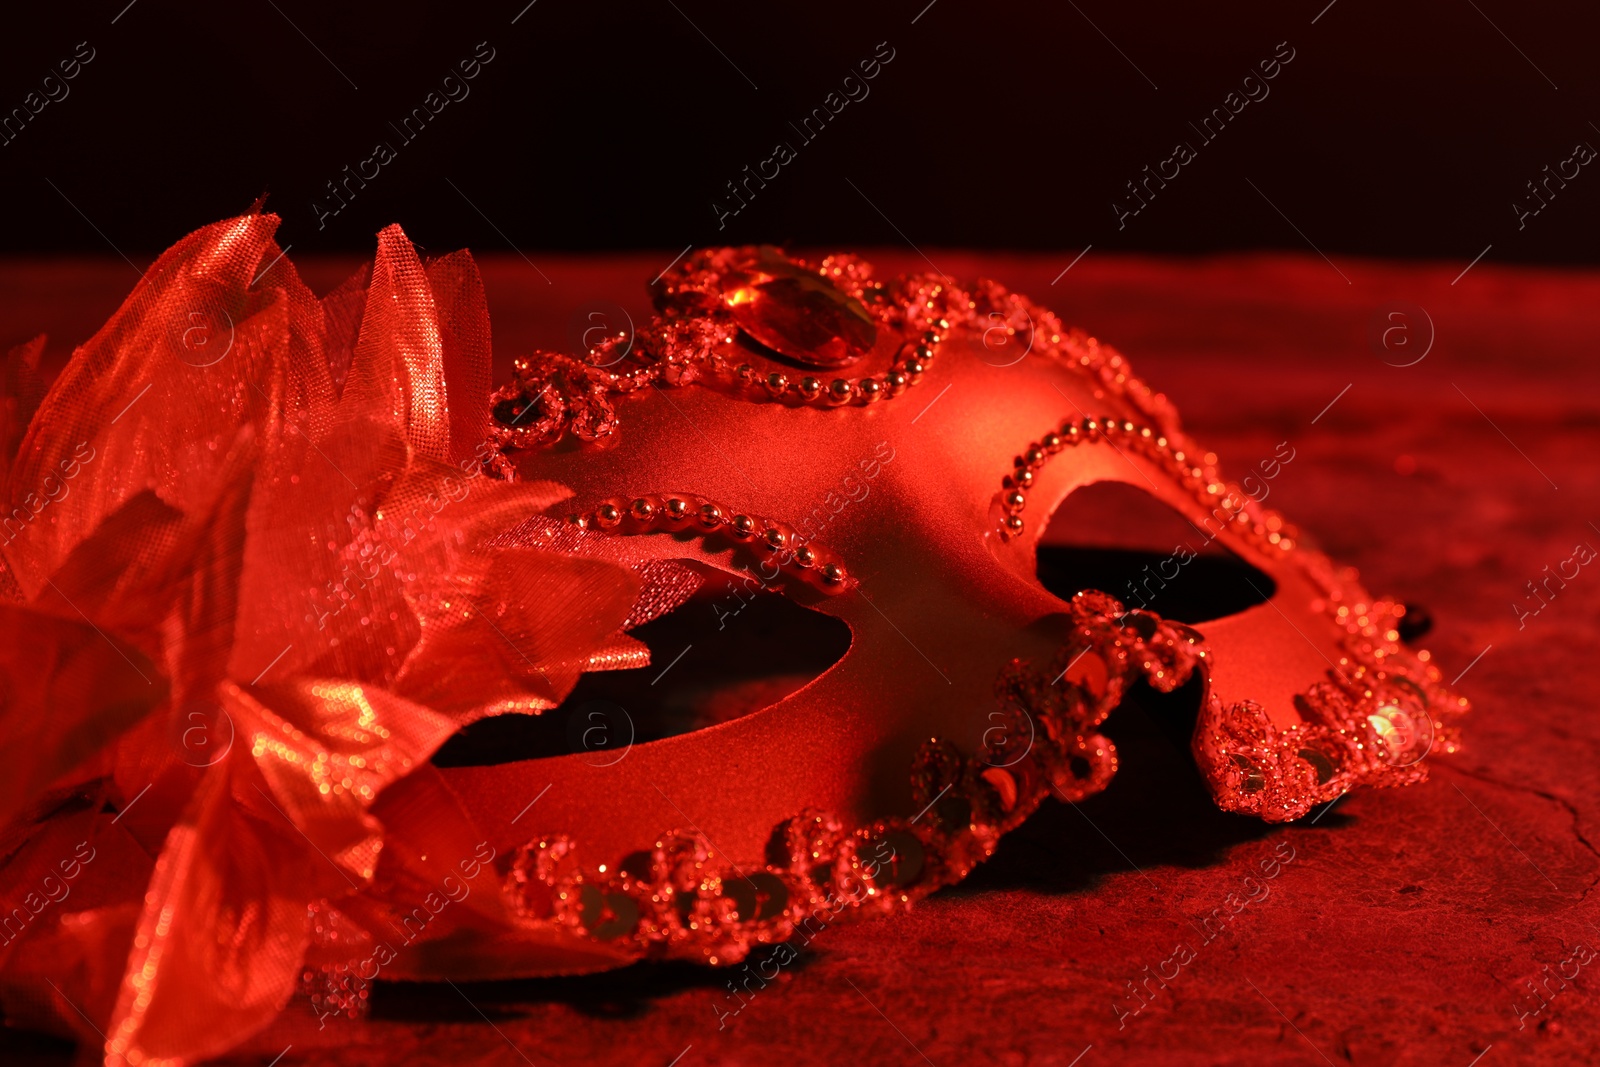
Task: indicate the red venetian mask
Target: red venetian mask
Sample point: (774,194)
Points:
(903,492)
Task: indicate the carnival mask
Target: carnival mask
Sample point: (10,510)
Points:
(887,453)
(325,665)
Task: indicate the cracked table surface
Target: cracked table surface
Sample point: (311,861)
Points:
(1396,927)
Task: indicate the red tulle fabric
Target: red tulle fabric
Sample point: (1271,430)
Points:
(249,581)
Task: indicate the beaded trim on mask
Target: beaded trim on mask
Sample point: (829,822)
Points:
(1380,711)
(680,899)
(1383,707)
(691,342)
(777,544)
(1228,503)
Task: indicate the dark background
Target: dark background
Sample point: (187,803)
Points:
(1398,130)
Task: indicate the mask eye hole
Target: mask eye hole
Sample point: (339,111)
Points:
(1117,538)
(728,651)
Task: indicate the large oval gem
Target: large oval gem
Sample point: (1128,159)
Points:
(798,313)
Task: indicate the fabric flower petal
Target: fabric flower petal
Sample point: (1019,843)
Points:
(217,948)
(155,398)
